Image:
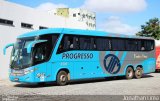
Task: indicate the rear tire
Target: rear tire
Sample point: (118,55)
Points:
(129,73)
(138,73)
(62,78)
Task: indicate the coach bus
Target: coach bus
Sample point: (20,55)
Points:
(62,55)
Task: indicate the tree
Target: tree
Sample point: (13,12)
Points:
(151,29)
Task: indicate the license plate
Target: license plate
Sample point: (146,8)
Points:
(17,71)
(16,79)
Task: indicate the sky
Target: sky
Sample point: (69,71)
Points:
(118,16)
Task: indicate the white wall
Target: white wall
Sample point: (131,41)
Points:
(18,14)
(157,42)
(79,18)
(84,20)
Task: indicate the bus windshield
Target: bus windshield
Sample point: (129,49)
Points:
(41,52)
(19,57)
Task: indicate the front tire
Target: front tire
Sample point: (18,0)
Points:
(62,78)
(138,73)
(129,73)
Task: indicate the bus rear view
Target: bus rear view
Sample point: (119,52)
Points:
(62,55)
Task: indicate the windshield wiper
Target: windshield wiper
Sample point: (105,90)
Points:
(16,57)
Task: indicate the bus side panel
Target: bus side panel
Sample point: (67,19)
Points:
(112,62)
(85,64)
(93,64)
(49,70)
(40,73)
(61,65)
(126,58)
(88,68)
(149,65)
(144,59)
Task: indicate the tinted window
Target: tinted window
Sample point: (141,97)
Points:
(43,51)
(139,45)
(103,44)
(76,42)
(131,45)
(68,42)
(86,43)
(118,44)
(147,45)
(80,42)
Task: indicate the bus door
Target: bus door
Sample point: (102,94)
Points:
(39,59)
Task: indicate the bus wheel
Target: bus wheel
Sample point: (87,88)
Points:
(129,73)
(62,78)
(138,72)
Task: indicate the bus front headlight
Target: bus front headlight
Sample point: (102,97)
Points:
(29,71)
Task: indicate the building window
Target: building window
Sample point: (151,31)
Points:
(74,15)
(78,13)
(41,27)
(87,15)
(6,22)
(26,25)
(94,25)
(87,23)
(94,18)
(83,15)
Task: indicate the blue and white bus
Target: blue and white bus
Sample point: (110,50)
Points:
(61,55)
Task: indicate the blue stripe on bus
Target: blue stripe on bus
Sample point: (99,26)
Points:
(117,52)
(107,52)
(123,57)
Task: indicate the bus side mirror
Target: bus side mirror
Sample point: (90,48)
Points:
(32,44)
(7,46)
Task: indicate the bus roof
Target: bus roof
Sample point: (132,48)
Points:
(77,32)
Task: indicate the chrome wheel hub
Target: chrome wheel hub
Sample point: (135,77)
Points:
(62,78)
(130,73)
(138,72)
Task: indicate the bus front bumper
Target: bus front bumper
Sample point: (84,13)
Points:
(22,79)
(23,76)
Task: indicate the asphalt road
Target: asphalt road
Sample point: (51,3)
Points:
(148,85)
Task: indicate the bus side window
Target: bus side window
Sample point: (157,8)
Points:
(139,45)
(118,44)
(51,40)
(63,46)
(152,45)
(66,44)
(148,45)
(92,45)
(86,43)
(103,44)
(131,45)
(75,42)
(40,53)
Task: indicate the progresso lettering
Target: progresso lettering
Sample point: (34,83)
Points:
(77,56)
